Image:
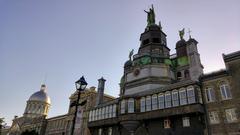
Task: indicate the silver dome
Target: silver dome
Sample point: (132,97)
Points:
(40,96)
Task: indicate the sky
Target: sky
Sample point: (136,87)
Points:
(57,41)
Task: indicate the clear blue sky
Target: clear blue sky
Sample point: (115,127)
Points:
(65,39)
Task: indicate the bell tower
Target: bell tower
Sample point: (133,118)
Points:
(150,68)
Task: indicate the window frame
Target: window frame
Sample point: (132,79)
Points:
(183,101)
(142,104)
(186,122)
(123,107)
(191,99)
(175,102)
(131,105)
(168,102)
(148,103)
(154,102)
(226,87)
(161,101)
(210,94)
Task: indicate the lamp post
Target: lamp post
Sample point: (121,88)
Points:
(81,84)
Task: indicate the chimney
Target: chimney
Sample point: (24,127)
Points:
(100,92)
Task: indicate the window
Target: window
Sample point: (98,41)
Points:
(106,112)
(103,113)
(167,123)
(90,116)
(110,131)
(99,114)
(148,103)
(213,117)
(130,105)
(96,114)
(161,101)
(110,111)
(179,75)
(225,91)
(93,115)
(191,95)
(142,109)
(99,131)
(175,100)
(114,110)
(154,102)
(122,106)
(168,100)
(183,96)
(186,122)
(186,74)
(231,115)
(210,95)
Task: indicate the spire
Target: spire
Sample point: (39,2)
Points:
(43,88)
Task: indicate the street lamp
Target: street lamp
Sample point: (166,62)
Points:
(81,84)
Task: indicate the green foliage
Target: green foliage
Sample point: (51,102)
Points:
(168,61)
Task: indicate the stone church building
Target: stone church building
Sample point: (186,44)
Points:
(160,94)
(168,94)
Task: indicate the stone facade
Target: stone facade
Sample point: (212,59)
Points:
(169,94)
(59,125)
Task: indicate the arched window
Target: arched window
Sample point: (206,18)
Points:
(90,116)
(99,113)
(93,115)
(225,91)
(148,103)
(168,99)
(175,99)
(106,112)
(130,105)
(183,96)
(161,103)
(114,110)
(142,104)
(96,114)
(123,106)
(179,75)
(154,102)
(103,113)
(110,111)
(210,94)
(191,95)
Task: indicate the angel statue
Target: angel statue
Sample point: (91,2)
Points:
(131,54)
(181,33)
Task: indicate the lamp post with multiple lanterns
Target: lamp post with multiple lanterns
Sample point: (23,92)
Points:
(81,84)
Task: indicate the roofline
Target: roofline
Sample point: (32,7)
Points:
(231,56)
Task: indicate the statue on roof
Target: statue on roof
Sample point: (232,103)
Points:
(131,54)
(150,16)
(181,33)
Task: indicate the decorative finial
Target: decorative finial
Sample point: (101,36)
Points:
(131,54)
(181,33)
(150,16)
(189,33)
(160,25)
(43,87)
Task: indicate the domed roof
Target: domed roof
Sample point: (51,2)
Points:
(40,96)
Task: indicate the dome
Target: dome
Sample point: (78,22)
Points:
(40,96)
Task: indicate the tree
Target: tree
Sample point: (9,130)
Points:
(1,124)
